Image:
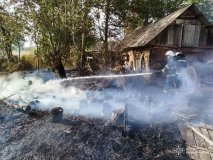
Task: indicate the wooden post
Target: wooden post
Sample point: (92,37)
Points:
(126,114)
(181,36)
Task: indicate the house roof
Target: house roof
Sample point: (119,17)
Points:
(141,36)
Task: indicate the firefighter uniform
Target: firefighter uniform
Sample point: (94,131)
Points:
(170,72)
(181,65)
(180,60)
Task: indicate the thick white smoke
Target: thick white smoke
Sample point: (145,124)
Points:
(145,103)
(45,95)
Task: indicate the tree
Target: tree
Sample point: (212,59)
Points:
(87,31)
(206,6)
(11,33)
(50,29)
(107,24)
(57,28)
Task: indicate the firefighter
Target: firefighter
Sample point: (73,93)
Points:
(180,60)
(170,71)
(181,65)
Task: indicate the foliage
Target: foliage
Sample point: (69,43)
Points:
(64,30)
(11,33)
(28,62)
(206,6)
(56,27)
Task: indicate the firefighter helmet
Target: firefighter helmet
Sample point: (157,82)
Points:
(170,53)
(178,53)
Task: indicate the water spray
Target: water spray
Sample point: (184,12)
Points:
(111,76)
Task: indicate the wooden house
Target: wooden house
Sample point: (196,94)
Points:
(185,30)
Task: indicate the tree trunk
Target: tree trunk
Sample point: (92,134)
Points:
(8,50)
(59,67)
(83,41)
(107,12)
(19,52)
(146,19)
(38,63)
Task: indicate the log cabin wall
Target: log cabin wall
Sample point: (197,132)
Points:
(157,58)
(129,63)
(186,31)
(138,60)
(145,59)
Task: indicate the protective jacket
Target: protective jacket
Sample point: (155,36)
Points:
(171,74)
(181,61)
(170,68)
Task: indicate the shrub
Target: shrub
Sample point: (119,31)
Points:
(28,62)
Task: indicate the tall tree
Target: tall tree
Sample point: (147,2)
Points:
(107,24)
(206,6)
(88,36)
(57,27)
(11,32)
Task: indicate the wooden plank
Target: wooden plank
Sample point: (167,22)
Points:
(204,155)
(210,131)
(183,131)
(203,36)
(193,153)
(206,133)
(191,35)
(211,134)
(181,36)
(190,137)
(206,126)
(201,143)
(203,149)
(198,133)
(196,39)
(170,39)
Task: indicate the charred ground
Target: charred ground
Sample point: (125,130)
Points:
(25,136)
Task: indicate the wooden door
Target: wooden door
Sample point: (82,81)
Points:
(191,35)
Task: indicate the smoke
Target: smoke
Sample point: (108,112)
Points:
(144,102)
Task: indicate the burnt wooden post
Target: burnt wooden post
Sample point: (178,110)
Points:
(126,119)
(150,103)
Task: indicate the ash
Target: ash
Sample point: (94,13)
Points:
(34,136)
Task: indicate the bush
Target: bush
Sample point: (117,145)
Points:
(28,62)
